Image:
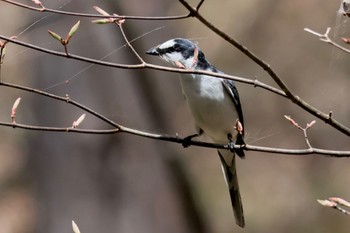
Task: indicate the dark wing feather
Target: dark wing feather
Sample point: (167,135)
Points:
(232,91)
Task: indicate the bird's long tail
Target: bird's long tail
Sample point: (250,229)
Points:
(229,169)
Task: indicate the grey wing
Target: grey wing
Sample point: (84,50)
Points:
(232,90)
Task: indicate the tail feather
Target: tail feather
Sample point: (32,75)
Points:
(229,169)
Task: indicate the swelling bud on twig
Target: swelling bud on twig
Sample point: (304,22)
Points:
(75,227)
(102,12)
(14,109)
(102,21)
(336,203)
(3,49)
(346,40)
(73,30)
(37,2)
(296,125)
(290,119)
(112,18)
(70,34)
(239,127)
(339,201)
(309,125)
(327,203)
(55,35)
(79,121)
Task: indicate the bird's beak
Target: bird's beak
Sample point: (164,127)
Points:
(153,51)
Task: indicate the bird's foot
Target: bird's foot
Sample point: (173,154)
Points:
(187,141)
(231,146)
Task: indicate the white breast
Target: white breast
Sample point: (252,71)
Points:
(211,106)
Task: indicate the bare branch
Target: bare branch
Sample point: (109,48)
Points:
(325,38)
(254,83)
(199,5)
(44,9)
(294,98)
(117,128)
(129,45)
(303,129)
(179,140)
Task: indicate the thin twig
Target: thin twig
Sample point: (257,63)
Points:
(44,9)
(117,128)
(199,5)
(325,38)
(179,140)
(193,12)
(303,129)
(129,44)
(145,65)
(60,98)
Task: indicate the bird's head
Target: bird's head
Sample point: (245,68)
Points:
(181,53)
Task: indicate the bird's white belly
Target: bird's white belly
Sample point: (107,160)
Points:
(211,106)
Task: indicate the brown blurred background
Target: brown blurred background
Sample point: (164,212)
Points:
(123,183)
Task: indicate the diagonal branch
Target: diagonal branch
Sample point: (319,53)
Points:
(129,44)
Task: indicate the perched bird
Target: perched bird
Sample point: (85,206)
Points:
(215,106)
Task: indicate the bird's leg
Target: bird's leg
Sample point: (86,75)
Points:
(231,144)
(239,141)
(187,140)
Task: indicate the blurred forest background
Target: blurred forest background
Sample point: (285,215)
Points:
(123,183)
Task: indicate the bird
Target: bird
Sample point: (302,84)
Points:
(215,106)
